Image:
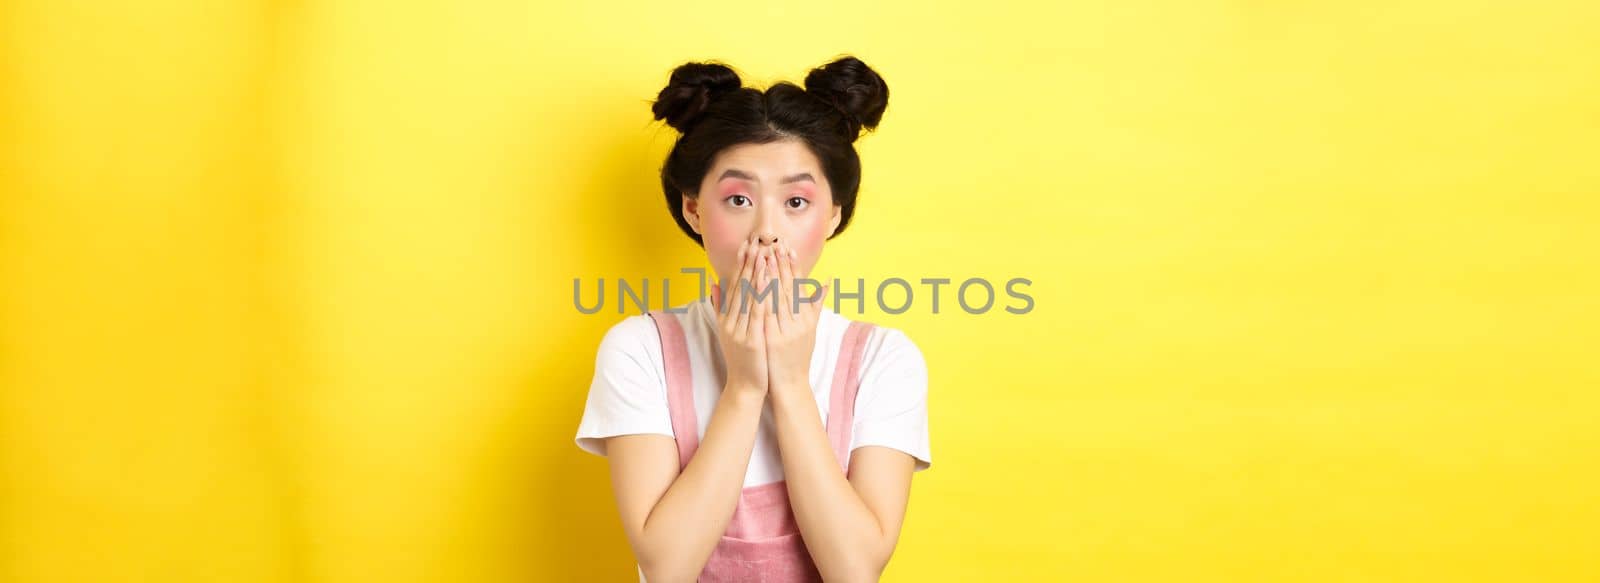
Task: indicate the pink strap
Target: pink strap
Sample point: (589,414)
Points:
(680,387)
(846,383)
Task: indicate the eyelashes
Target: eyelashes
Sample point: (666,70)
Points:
(793,202)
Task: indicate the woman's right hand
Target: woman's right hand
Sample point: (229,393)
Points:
(741,333)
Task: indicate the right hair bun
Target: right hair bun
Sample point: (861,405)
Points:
(691,89)
(854,88)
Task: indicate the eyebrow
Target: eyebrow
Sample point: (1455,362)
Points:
(734,173)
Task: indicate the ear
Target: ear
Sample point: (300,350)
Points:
(691,213)
(834,224)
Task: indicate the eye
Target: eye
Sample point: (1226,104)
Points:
(798,202)
(739,200)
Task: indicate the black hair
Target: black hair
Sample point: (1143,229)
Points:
(706,103)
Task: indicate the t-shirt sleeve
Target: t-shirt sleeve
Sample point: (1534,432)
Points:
(892,402)
(628,395)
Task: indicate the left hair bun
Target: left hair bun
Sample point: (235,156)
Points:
(692,88)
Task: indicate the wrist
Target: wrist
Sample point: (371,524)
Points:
(782,388)
(743,391)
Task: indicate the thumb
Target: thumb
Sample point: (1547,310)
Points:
(716,297)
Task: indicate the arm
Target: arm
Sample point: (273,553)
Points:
(673,520)
(850,525)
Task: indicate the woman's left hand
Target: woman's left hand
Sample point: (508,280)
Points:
(792,331)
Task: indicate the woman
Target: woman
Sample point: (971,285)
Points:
(759,435)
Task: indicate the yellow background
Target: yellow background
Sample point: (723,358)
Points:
(285,287)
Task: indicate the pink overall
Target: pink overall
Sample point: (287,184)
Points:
(763,541)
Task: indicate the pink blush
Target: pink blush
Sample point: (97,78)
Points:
(807,243)
(722,239)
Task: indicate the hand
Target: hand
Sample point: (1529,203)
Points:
(741,326)
(791,332)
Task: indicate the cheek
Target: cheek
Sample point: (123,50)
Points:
(808,240)
(722,238)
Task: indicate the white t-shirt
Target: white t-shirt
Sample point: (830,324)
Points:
(629,391)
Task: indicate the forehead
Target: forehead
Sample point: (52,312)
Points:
(767,162)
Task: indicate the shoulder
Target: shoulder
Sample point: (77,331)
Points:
(892,405)
(891,351)
(894,341)
(633,338)
(628,393)
(888,353)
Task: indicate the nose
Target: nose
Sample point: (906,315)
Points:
(764,232)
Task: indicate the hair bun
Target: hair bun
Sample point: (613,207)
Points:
(854,88)
(691,89)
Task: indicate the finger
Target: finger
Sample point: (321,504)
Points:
(723,304)
(758,309)
(774,308)
(740,305)
(772,283)
(716,292)
(774,324)
(769,270)
(786,283)
(773,305)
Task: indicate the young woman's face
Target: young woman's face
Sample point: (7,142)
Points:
(772,192)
